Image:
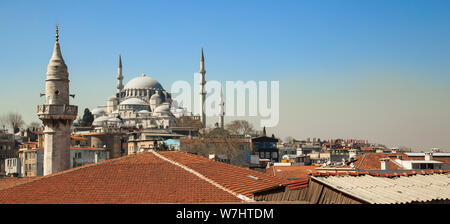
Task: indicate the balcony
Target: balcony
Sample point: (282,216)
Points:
(57,112)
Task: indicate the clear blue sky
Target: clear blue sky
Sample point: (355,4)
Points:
(347,68)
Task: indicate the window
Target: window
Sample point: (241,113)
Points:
(274,155)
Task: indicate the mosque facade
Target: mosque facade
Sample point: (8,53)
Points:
(141,103)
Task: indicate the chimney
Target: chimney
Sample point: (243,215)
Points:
(351,153)
(384,163)
(429,156)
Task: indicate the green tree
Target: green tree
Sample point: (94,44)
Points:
(87,119)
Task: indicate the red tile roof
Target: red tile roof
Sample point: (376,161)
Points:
(371,161)
(237,179)
(78,137)
(7,182)
(367,149)
(141,178)
(290,172)
(168,177)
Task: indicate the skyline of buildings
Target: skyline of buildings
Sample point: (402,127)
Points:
(380,78)
(280,121)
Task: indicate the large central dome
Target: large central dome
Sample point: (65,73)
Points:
(143,82)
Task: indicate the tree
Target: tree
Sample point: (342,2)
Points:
(289,140)
(13,120)
(240,127)
(87,119)
(34,125)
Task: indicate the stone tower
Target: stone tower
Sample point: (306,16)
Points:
(221,109)
(57,114)
(119,76)
(202,90)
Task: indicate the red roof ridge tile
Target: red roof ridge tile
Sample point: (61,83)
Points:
(201,176)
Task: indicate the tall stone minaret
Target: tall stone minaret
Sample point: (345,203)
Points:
(221,109)
(202,71)
(119,76)
(57,114)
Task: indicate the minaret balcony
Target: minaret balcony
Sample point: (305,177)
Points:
(50,111)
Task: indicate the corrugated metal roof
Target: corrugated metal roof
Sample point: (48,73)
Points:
(382,190)
(423,154)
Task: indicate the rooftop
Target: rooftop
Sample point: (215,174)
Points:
(165,177)
(431,186)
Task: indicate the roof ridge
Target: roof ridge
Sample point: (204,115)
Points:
(201,176)
(362,160)
(265,175)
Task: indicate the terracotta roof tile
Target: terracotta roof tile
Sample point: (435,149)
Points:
(371,161)
(290,172)
(141,178)
(7,182)
(239,180)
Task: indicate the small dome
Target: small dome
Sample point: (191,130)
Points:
(164,108)
(99,121)
(143,82)
(155,96)
(133,101)
(98,111)
(144,112)
(114,119)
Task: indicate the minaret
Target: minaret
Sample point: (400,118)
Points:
(202,71)
(57,114)
(119,76)
(221,109)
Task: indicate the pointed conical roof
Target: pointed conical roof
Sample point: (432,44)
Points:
(202,63)
(57,68)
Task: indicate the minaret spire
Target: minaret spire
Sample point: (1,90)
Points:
(221,109)
(119,76)
(57,114)
(202,71)
(202,63)
(57,33)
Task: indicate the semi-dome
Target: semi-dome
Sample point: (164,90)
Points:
(143,82)
(99,121)
(114,119)
(155,97)
(163,108)
(144,112)
(98,111)
(133,101)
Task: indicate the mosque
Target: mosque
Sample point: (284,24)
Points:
(144,103)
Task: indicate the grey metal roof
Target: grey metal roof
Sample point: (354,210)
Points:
(398,190)
(423,154)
